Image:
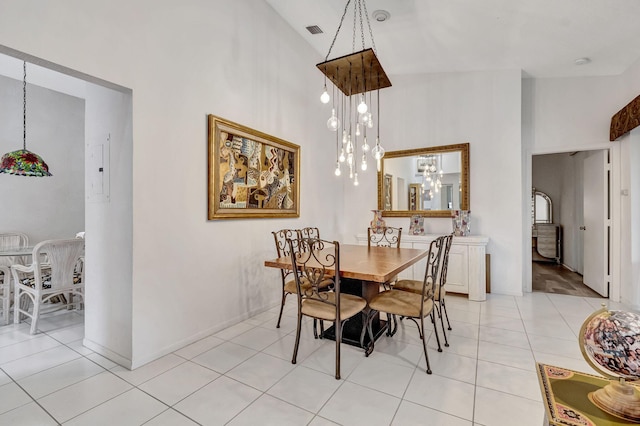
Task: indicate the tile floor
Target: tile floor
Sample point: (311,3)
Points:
(244,376)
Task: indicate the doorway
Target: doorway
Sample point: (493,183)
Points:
(565,178)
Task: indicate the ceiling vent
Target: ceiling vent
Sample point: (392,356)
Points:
(314,29)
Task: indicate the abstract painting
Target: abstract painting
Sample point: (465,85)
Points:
(251,174)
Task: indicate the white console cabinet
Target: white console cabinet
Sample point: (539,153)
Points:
(467,269)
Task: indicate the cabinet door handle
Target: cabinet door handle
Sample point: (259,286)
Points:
(583,228)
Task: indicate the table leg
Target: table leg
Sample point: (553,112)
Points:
(352,329)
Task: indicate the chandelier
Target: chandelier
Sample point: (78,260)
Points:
(23,162)
(356,77)
(431,174)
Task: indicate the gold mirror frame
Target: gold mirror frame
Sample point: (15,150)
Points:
(463,148)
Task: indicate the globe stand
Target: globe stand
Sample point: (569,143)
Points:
(618,399)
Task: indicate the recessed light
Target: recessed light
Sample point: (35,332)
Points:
(381,15)
(582,61)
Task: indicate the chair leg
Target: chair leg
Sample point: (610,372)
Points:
(338,328)
(6,294)
(444,333)
(444,308)
(368,320)
(435,330)
(16,305)
(35,317)
(295,347)
(284,296)
(424,344)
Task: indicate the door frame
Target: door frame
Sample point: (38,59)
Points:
(615,163)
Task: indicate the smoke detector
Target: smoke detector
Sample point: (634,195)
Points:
(380,15)
(582,61)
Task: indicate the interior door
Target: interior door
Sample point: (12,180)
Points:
(595,202)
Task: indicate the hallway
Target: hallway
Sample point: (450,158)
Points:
(550,277)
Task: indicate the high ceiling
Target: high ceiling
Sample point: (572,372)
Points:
(543,38)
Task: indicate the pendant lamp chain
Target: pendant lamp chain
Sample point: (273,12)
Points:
(24,105)
(23,162)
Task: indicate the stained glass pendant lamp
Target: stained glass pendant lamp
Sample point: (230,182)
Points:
(23,162)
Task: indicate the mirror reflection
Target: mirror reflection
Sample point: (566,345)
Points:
(541,207)
(428,181)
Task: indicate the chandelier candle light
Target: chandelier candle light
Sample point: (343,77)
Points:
(355,75)
(23,162)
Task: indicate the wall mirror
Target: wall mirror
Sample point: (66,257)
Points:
(427,181)
(541,207)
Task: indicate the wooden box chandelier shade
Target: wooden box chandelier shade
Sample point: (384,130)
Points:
(358,72)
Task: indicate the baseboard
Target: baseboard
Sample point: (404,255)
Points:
(107,353)
(140,361)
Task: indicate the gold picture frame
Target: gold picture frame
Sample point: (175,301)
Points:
(251,174)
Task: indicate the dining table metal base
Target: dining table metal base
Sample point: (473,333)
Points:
(352,329)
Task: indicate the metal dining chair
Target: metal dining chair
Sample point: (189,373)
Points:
(439,291)
(412,305)
(318,290)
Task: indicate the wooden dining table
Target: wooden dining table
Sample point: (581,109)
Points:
(362,270)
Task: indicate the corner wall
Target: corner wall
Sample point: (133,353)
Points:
(239,60)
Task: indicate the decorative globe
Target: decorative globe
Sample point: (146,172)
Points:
(610,343)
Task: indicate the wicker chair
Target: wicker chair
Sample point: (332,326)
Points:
(41,282)
(9,240)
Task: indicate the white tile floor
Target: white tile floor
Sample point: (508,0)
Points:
(244,376)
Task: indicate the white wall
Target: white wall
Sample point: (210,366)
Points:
(238,60)
(629,253)
(43,207)
(482,108)
(109,218)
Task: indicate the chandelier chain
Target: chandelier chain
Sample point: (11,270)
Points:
(24,105)
(366,15)
(338,30)
(353,38)
(361,26)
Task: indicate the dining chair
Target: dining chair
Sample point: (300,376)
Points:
(308,232)
(41,281)
(439,291)
(9,240)
(315,262)
(412,305)
(288,281)
(389,237)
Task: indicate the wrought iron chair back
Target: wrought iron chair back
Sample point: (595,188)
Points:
(389,237)
(309,232)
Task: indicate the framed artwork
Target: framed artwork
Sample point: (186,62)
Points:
(388,194)
(416,226)
(251,174)
(415,195)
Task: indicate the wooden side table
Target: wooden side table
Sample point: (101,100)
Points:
(565,394)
